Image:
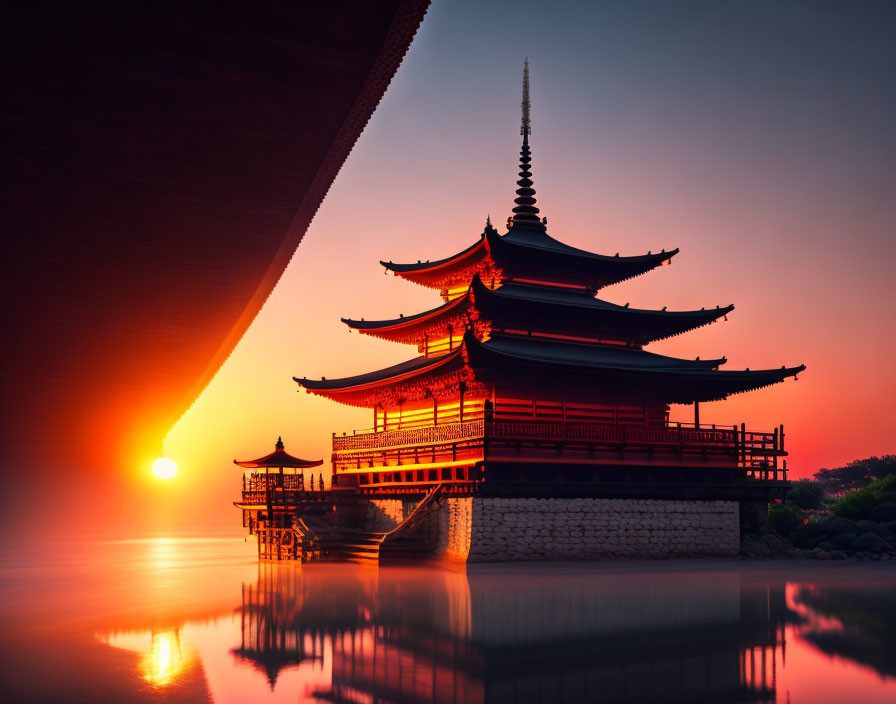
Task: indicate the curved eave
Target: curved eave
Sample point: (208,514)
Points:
(288,463)
(405,325)
(535,239)
(569,355)
(681,385)
(730,382)
(424,268)
(418,366)
(602,269)
(686,321)
(665,323)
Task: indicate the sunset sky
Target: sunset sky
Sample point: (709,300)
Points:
(757,138)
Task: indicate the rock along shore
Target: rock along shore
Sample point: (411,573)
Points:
(834,538)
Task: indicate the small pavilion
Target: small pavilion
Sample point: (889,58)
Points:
(280,460)
(268,499)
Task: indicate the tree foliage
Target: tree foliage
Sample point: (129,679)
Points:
(806,494)
(856,474)
(859,504)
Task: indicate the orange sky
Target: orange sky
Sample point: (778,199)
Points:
(778,194)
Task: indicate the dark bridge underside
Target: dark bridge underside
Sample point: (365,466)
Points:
(160,168)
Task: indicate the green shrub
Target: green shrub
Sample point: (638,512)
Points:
(806,494)
(858,504)
(784,519)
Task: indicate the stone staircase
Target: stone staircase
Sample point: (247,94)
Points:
(321,540)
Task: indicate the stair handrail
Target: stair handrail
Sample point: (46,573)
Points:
(307,533)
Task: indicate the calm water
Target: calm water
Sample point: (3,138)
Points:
(199,620)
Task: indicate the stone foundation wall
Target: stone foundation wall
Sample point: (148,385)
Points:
(455,528)
(496,530)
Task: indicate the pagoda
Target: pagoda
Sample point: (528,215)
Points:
(270,497)
(529,384)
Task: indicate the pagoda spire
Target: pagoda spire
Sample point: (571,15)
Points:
(525,214)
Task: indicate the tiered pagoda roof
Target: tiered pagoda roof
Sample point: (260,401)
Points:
(591,369)
(528,255)
(557,310)
(521,307)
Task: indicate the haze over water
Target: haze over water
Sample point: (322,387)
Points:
(198,619)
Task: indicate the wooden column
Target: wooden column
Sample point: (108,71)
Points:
(696,414)
(267,495)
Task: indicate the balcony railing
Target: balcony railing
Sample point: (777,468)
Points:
(717,438)
(427,435)
(283,497)
(285,489)
(746,445)
(259,481)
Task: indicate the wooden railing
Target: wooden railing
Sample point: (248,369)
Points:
(717,438)
(258,481)
(427,435)
(767,472)
(254,497)
(746,445)
(283,497)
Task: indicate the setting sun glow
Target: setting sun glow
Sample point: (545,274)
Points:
(164,468)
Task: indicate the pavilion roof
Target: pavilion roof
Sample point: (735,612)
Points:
(278,458)
(407,321)
(631,371)
(471,252)
(599,317)
(584,355)
(538,239)
(578,310)
(390,375)
(528,253)
(271,661)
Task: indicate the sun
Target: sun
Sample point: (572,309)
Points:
(164,468)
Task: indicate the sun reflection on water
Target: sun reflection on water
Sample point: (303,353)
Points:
(165,658)
(163,655)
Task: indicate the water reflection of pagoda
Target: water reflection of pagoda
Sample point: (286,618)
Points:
(526,377)
(286,616)
(437,636)
(271,638)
